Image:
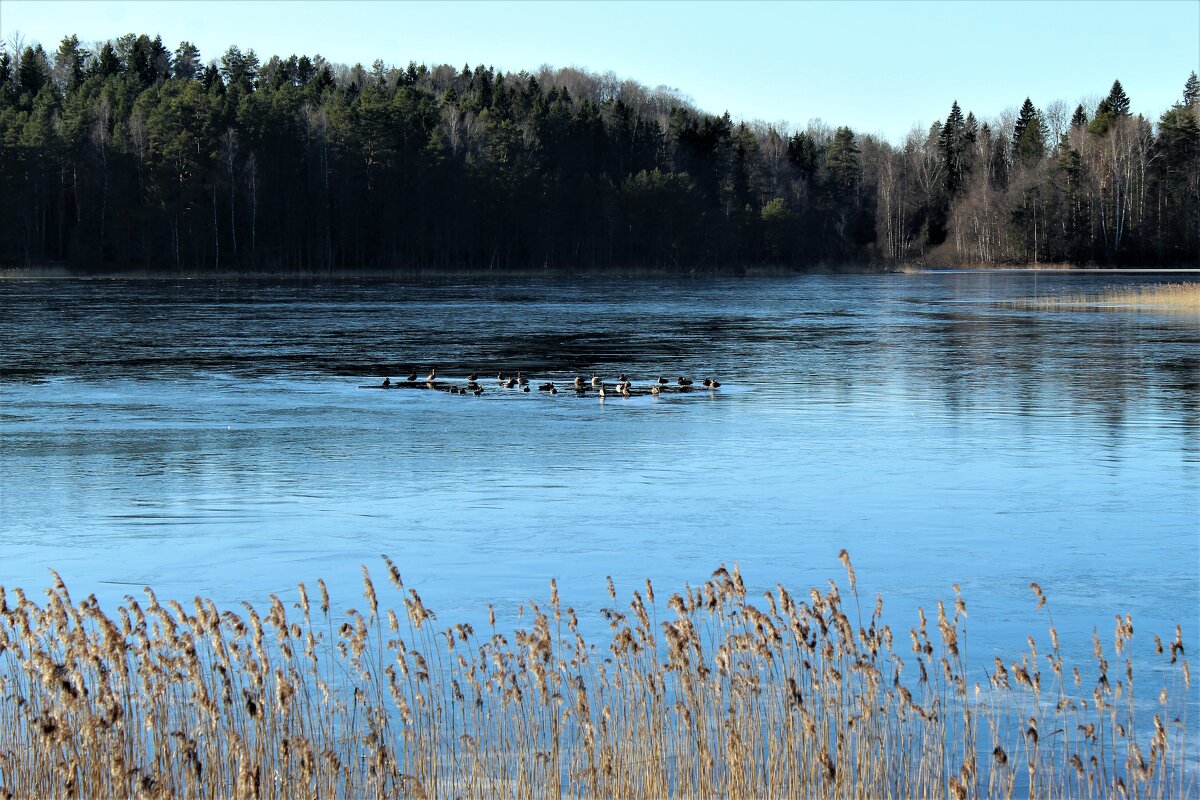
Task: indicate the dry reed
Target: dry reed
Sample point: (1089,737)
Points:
(712,693)
(1178,297)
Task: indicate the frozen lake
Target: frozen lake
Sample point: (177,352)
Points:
(208,438)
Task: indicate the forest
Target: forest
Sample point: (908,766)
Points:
(130,156)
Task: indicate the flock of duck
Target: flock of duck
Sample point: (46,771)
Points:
(580,386)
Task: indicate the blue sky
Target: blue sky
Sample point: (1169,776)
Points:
(877,66)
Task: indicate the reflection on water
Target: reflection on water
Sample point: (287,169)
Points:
(208,438)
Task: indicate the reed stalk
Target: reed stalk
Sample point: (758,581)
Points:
(713,693)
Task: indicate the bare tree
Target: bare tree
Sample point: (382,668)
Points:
(1057,116)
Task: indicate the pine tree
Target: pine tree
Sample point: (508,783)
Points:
(1029,137)
(239,69)
(1079,118)
(69,63)
(1191,90)
(843,160)
(187,61)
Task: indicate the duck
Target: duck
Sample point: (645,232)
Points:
(545,387)
(578,382)
(685,381)
(472,377)
(510,383)
(621,378)
(596,380)
(525,388)
(478,390)
(625,390)
(521,379)
(662,381)
(656,390)
(386,383)
(432,374)
(553,390)
(500,379)
(412,378)
(711,383)
(603,393)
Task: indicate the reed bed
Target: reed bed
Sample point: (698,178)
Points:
(713,693)
(1180,297)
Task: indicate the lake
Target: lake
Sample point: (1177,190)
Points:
(208,437)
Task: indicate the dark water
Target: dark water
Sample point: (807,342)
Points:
(209,438)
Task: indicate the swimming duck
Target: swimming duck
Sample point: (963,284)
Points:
(432,374)
(625,390)
(553,390)
(656,390)
(578,382)
(603,393)
(521,379)
(525,388)
(596,380)
(710,383)
(685,381)
(545,387)
(472,377)
(500,379)
(662,381)
(386,383)
(510,383)
(412,378)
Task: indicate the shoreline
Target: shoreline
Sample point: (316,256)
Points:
(62,273)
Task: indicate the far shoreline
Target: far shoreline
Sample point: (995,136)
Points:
(56,272)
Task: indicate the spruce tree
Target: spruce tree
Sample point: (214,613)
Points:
(6,76)
(1191,90)
(1029,138)
(802,153)
(1117,101)
(971,128)
(33,73)
(211,78)
(305,70)
(108,64)
(952,144)
(1079,118)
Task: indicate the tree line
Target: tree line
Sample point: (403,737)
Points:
(135,156)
